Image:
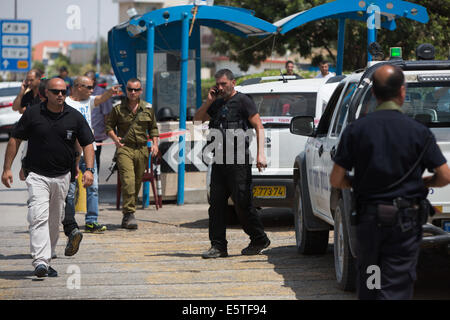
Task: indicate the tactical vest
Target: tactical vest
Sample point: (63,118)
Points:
(229,116)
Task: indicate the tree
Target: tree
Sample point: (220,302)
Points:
(252,51)
(323,34)
(104,57)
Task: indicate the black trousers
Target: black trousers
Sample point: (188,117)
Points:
(394,252)
(234,180)
(97,154)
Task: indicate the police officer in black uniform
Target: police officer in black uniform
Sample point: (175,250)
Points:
(230,114)
(382,147)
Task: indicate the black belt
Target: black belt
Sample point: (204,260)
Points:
(402,212)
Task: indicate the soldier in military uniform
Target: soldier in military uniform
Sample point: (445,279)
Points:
(134,120)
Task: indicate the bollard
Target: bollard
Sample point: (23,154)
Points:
(80,195)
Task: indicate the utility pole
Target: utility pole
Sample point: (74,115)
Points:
(98,37)
(15,9)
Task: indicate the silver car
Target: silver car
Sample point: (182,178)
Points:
(8,117)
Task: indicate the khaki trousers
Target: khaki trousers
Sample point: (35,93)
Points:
(131,163)
(46,201)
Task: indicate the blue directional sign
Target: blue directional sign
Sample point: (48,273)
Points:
(15,45)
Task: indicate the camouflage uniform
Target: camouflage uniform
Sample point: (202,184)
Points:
(132,159)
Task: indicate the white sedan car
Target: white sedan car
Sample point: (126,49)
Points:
(8,117)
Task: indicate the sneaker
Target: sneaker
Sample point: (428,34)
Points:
(129,221)
(214,252)
(255,248)
(41,271)
(52,273)
(94,227)
(73,243)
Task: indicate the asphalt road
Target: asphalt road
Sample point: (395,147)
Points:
(162,259)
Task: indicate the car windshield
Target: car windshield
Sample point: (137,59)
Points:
(11,91)
(285,104)
(427,102)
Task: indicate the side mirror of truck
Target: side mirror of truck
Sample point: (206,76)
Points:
(302,125)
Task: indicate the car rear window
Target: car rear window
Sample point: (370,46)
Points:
(427,102)
(12,91)
(285,104)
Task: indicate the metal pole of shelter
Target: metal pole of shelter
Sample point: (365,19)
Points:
(341,41)
(371,34)
(149,99)
(183,102)
(198,65)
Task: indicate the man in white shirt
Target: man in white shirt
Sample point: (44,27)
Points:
(81,100)
(324,73)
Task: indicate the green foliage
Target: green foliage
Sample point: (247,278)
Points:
(323,34)
(104,55)
(301,40)
(38,65)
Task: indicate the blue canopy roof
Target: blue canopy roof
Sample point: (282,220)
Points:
(358,10)
(238,21)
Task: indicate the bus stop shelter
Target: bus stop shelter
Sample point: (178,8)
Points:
(176,29)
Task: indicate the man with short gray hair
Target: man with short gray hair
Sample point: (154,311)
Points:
(82,101)
(228,110)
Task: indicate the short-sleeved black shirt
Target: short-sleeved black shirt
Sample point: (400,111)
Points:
(382,147)
(239,100)
(29,99)
(246,109)
(51,138)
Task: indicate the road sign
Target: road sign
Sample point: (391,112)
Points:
(15,45)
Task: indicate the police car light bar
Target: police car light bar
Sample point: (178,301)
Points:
(434,78)
(396,52)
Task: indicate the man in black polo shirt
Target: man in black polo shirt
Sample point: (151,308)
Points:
(53,129)
(382,147)
(29,92)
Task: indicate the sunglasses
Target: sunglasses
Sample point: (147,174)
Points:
(87,87)
(58,91)
(133,89)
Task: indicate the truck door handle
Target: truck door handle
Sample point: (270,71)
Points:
(320,150)
(333,152)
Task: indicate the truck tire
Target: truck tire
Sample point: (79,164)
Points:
(344,262)
(307,242)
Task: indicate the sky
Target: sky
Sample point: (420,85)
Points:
(68,20)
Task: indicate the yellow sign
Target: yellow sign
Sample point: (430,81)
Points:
(22,64)
(269,192)
(438,209)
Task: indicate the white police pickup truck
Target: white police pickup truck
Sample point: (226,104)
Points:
(277,102)
(319,207)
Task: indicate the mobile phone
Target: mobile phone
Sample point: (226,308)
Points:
(215,91)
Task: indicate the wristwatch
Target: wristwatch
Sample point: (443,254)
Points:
(90,169)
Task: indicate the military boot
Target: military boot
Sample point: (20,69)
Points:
(129,221)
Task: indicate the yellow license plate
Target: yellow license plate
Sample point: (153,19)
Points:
(269,192)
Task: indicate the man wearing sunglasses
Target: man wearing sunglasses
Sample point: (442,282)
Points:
(81,100)
(134,120)
(52,129)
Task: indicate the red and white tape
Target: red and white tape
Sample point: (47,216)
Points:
(164,135)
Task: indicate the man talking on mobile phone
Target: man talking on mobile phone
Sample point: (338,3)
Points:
(230,111)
